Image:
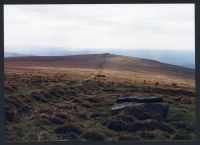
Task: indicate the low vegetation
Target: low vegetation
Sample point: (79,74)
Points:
(75,104)
(57,107)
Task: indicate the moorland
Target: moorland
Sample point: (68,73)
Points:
(70,98)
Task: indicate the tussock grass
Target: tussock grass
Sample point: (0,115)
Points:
(74,104)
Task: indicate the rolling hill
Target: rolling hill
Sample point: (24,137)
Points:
(101,61)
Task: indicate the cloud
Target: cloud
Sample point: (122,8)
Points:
(79,27)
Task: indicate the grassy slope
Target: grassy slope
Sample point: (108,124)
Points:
(106,61)
(77,99)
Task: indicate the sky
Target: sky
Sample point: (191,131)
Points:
(29,28)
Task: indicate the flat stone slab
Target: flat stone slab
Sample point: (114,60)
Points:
(137,99)
(142,110)
(121,106)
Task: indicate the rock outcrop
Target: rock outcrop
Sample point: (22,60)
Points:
(142,107)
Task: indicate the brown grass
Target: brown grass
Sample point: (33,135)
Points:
(55,103)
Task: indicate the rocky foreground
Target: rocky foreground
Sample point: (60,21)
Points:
(69,104)
(142,107)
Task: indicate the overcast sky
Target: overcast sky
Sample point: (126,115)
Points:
(89,27)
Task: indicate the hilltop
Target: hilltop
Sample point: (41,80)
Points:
(101,61)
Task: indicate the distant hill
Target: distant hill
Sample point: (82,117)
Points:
(185,58)
(101,61)
(7,54)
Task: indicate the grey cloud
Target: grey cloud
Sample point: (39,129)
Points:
(99,26)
